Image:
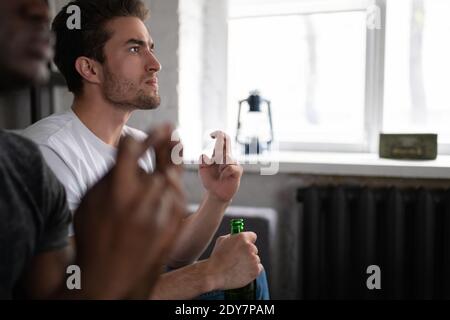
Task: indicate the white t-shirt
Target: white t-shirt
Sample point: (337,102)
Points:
(75,154)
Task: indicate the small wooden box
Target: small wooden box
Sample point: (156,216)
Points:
(409,146)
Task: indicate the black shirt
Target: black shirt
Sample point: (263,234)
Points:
(34,216)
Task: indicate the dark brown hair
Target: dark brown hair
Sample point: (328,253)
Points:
(90,40)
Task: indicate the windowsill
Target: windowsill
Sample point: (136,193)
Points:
(345,164)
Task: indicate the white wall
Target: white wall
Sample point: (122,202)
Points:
(191,56)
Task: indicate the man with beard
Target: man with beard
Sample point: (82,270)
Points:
(111,68)
(122,241)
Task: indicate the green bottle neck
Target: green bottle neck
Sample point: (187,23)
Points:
(237,226)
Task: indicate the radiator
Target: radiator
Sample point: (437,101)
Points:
(343,230)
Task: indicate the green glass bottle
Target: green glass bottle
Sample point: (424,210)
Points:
(249,291)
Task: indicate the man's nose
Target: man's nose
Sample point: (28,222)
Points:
(153,63)
(37,11)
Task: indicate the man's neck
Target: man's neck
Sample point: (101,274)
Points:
(105,120)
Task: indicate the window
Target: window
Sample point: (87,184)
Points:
(334,83)
(293,60)
(309,59)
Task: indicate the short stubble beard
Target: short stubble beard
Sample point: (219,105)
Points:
(116,91)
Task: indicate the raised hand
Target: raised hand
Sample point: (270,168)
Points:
(220,175)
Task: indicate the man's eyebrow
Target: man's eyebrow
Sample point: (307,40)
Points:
(141,43)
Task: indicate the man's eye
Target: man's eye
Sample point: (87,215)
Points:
(134,49)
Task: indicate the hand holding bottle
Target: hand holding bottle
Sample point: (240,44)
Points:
(235,261)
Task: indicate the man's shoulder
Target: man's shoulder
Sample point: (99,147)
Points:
(20,158)
(13,144)
(42,131)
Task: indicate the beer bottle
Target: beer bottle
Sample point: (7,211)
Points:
(247,292)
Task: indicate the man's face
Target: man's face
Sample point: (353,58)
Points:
(25,43)
(130,69)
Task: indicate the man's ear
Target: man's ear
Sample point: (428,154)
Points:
(88,69)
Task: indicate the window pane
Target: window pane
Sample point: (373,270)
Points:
(312,68)
(417,89)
